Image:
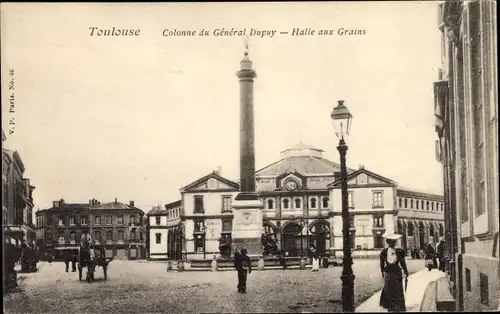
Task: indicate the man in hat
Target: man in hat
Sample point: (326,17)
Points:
(243,266)
(392,266)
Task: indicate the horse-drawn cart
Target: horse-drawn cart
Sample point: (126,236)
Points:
(99,259)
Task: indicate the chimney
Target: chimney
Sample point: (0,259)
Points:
(90,202)
(132,204)
(361,166)
(55,204)
(219,170)
(116,200)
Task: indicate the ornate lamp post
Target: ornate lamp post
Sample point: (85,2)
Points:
(342,120)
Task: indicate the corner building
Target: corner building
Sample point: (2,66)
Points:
(115,225)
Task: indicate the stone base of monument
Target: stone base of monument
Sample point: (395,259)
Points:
(258,263)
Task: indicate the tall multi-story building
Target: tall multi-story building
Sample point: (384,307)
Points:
(466,108)
(117,226)
(302,206)
(17,203)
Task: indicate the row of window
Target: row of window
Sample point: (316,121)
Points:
(84,220)
(98,236)
(286,203)
(410,203)
(199,207)
(171,214)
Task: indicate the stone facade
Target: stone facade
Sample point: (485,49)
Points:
(466,110)
(117,226)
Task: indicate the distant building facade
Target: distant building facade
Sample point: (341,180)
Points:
(466,111)
(165,238)
(17,199)
(302,206)
(119,227)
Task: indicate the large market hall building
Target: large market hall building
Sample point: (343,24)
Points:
(302,205)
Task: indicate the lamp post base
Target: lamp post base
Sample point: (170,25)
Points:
(347,292)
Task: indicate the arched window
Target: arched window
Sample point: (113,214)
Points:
(432,206)
(270,204)
(417,203)
(325,202)
(406,203)
(427,205)
(313,202)
(400,202)
(286,203)
(298,203)
(442,206)
(411,204)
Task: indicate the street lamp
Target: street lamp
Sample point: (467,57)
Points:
(342,120)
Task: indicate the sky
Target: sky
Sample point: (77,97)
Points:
(137,118)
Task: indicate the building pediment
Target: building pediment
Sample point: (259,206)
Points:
(291,181)
(211,182)
(362,178)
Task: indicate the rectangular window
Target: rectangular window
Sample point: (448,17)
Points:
(72,220)
(158,238)
(109,220)
(97,236)
(121,235)
(199,226)
(378,221)
(226,203)
(477,106)
(350,197)
(198,205)
(84,220)
(109,236)
(72,236)
(133,219)
(227,225)
(377,199)
(119,220)
(378,241)
(132,236)
(158,220)
(484,289)
(97,220)
(467,280)
(61,221)
(199,243)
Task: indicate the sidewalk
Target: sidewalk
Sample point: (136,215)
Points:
(417,284)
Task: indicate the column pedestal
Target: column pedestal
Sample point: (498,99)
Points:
(247,223)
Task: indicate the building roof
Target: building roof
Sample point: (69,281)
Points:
(368,173)
(86,206)
(403,191)
(214,175)
(305,165)
(302,146)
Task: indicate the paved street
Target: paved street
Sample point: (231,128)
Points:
(139,287)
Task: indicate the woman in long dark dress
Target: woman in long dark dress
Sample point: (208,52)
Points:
(392,266)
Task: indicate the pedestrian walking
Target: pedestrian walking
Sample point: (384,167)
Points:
(430,255)
(67,258)
(393,266)
(243,267)
(440,253)
(49,258)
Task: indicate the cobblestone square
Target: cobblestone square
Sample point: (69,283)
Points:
(145,287)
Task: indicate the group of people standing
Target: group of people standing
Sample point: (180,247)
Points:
(395,273)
